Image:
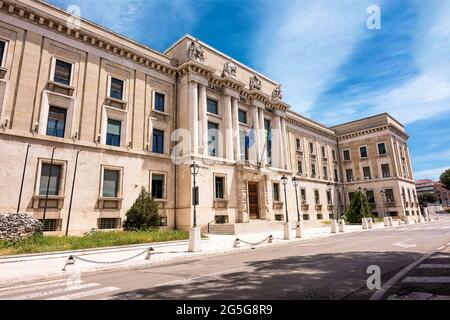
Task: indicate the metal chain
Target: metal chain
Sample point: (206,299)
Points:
(111,262)
(255,244)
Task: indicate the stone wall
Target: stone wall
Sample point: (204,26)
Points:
(16,226)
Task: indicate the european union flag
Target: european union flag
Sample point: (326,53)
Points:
(250,138)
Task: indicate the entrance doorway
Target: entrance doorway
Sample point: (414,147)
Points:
(253,200)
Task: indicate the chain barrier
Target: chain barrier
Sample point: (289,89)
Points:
(269,239)
(71,260)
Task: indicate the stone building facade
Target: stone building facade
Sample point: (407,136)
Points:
(89,117)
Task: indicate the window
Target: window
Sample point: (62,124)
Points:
(370,196)
(159,101)
(382,148)
(116,90)
(299,168)
(2,52)
(389,195)
(325,173)
(158,141)
(349,173)
(303,195)
(51,225)
(50,176)
(219,187)
(298,144)
(336,175)
(317,196)
(323,153)
(108,223)
(243,145)
(113,132)
(268,137)
(385,171)
(329,199)
(319,216)
(158,186)
(363,152)
(333,153)
(110,183)
(242,115)
(313,170)
(346,155)
(63,72)
(276,191)
(311,148)
(56,123)
(213,139)
(306,217)
(366,173)
(211,106)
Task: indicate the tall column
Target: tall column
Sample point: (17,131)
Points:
(228,129)
(203,120)
(277,144)
(262,134)
(255,150)
(236,132)
(193,116)
(284,143)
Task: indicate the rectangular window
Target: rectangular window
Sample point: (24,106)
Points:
(370,196)
(242,115)
(56,123)
(63,72)
(51,225)
(313,170)
(276,191)
(298,144)
(385,171)
(268,138)
(382,148)
(389,195)
(346,155)
(311,148)
(299,168)
(220,187)
(213,129)
(336,175)
(303,195)
(110,183)
(323,153)
(212,106)
(349,173)
(158,141)
(113,133)
(160,101)
(116,90)
(158,186)
(366,173)
(363,152)
(329,199)
(333,153)
(50,179)
(244,145)
(325,173)
(108,223)
(2,52)
(317,196)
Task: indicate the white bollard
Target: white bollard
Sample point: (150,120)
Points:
(342,225)
(370,223)
(421,219)
(287,231)
(195,237)
(386,221)
(364,223)
(391,222)
(299,230)
(334,226)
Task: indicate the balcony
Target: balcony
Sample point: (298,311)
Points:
(221,203)
(53,202)
(110,203)
(278,205)
(319,207)
(116,103)
(60,88)
(305,206)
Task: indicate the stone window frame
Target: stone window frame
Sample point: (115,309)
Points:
(317,200)
(370,172)
(118,115)
(352,175)
(159,173)
(367,151)
(246,116)
(53,67)
(165,142)
(218,202)
(214,97)
(119,198)
(300,168)
(278,184)
(349,155)
(325,172)
(50,98)
(219,137)
(166,95)
(303,200)
(385,148)
(62,183)
(381,169)
(5,52)
(124,89)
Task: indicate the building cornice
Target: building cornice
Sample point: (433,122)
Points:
(373,130)
(54,24)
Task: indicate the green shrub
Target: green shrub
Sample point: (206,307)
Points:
(359,208)
(143,215)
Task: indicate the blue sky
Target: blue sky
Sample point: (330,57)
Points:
(332,67)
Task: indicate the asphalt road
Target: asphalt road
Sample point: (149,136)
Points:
(328,268)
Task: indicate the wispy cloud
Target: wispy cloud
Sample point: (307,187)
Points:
(432,174)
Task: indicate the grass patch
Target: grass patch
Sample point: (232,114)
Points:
(40,244)
(327,223)
(378,220)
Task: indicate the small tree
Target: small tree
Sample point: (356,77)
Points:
(445,179)
(143,215)
(426,198)
(359,208)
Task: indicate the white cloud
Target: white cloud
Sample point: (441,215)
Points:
(432,174)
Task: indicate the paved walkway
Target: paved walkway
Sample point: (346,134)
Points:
(39,267)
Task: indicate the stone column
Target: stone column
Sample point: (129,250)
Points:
(277,143)
(203,120)
(284,143)
(262,134)
(193,116)
(236,132)
(255,150)
(228,129)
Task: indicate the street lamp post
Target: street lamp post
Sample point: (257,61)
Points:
(194,232)
(334,223)
(299,229)
(287,228)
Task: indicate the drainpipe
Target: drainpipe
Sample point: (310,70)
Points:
(175,227)
(23,177)
(71,194)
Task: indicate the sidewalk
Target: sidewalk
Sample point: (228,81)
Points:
(39,267)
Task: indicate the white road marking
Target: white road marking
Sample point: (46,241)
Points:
(427,280)
(52,292)
(435,266)
(418,296)
(84,294)
(441,256)
(441,248)
(404,245)
(36,287)
(30,285)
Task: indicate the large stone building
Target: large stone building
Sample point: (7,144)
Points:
(434,187)
(140,117)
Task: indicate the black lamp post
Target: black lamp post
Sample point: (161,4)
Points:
(284,180)
(194,171)
(295,183)
(330,201)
